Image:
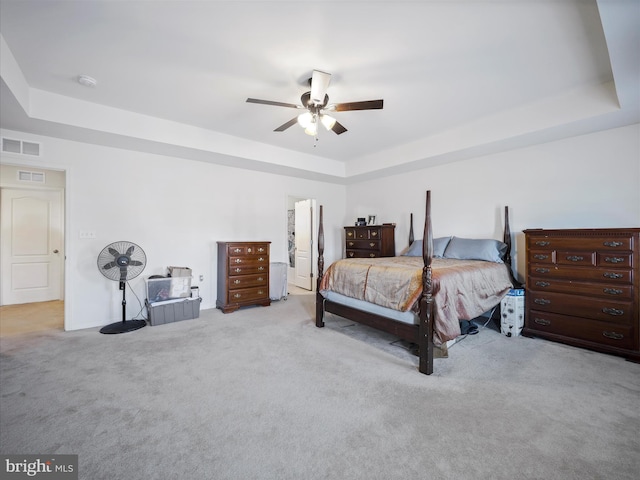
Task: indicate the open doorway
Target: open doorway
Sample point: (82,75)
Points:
(32,248)
(300,235)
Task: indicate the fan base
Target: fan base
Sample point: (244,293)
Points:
(124,326)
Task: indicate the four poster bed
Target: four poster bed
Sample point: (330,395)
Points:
(421,295)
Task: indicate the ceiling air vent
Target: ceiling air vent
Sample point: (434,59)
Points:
(34,177)
(20,147)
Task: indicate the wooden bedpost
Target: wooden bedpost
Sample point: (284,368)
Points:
(507,256)
(411,229)
(425,340)
(319,298)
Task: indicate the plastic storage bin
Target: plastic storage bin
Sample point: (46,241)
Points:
(174,311)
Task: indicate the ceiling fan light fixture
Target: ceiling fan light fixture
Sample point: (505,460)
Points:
(328,121)
(305,119)
(312,129)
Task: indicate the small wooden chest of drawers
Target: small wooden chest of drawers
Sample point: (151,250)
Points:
(243,275)
(370,241)
(583,288)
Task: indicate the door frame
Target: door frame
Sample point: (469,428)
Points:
(8,159)
(290,199)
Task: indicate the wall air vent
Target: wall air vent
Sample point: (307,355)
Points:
(34,177)
(21,147)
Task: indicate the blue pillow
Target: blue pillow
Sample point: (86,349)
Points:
(476,249)
(439,245)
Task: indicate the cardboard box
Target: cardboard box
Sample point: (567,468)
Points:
(173,311)
(167,288)
(180,272)
(512,313)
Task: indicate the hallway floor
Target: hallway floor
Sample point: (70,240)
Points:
(31,317)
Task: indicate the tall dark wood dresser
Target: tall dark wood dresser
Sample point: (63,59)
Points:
(370,241)
(243,275)
(583,288)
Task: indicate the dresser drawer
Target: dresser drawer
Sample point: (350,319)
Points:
(249,260)
(241,249)
(244,281)
(362,233)
(603,333)
(244,295)
(615,260)
(608,275)
(362,254)
(578,288)
(363,244)
(612,243)
(614,311)
(573,257)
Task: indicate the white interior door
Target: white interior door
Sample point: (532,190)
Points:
(304,239)
(31,245)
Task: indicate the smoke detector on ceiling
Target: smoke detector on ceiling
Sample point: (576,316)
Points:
(87,81)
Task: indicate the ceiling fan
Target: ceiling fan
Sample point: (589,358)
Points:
(316,104)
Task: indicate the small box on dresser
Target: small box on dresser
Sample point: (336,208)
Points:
(243,275)
(370,241)
(583,288)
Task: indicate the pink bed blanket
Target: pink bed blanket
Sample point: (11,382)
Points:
(462,289)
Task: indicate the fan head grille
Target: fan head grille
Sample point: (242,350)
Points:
(121,261)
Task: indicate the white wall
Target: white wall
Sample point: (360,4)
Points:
(591,181)
(175,209)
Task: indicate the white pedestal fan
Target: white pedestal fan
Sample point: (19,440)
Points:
(122,261)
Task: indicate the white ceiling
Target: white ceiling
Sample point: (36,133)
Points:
(458,78)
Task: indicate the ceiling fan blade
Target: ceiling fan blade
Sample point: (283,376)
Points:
(319,84)
(338,128)
(284,126)
(269,102)
(366,105)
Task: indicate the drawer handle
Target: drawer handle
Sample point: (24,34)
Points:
(542,301)
(542,270)
(614,259)
(542,321)
(373,234)
(261,250)
(613,335)
(371,244)
(613,311)
(237,295)
(349,234)
(351,244)
(612,244)
(260,279)
(261,268)
(260,292)
(249,250)
(238,260)
(539,256)
(237,250)
(372,255)
(613,291)
(237,282)
(575,258)
(261,259)
(612,275)
(351,254)
(543,243)
(542,284)
(238,270)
